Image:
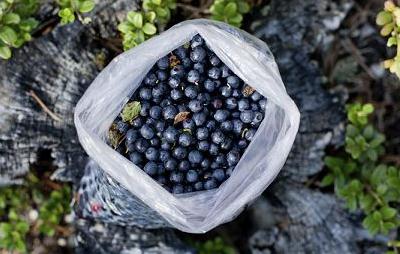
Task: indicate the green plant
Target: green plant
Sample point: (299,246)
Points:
(229,11)
(389,19)
(16,24)
(214,246)
(360,179)
(142,25)
(70,9)
(395,246)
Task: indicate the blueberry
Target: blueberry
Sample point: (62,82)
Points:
(182,108)
(202,133)
(243,104)
(249,134)
(236,93)
(217,137)
(220,159)
(131,136)
(155,112)
(209,85)
(170,135)
(231,103)
(198,54)
(210,184)
(173,82)
(181,52)
(161,75)
(256,96)
(158,91)
(186,62)
(151,168)
(195,106)
(161,180)
(199,118)
(193,76)
(214,73)
(164,156)
(226,144)
(225,72)
(191,92)
(254,106)
(185,139)
(176,94)
(199,67)
(211,125)
(179,152)
(169,112)
(217,103)
(155,142)
(184,165)
(170,164)
(188,124)
(205,163)
(165,102)
(195,157)
(233,157)
(247,116)
(197,40)
(151,79)
(177,71)
(262,103)
(229,171)
(177,189)
(227,126)
(203,145)
(152,154)
(176,177)
(242,144)
(232,81)
(192,176)
(163,63)
(214,165)
(219,174)
(204,98)
(188,188)
(214,60)
(145,93)
(258,117)
(237,126)
(137,122)
(235,114)
(207,175)
(159,126)
(165,144)
(122,127)
(198,186)
(147,132)
(214,149)
(141,145)
(145,108)
(226,91)
(135,157)
(221,115)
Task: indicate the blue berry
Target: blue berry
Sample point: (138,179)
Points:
(161,169)
(214,149)
(202,133)
(237,126)
(235,114)
(231,103)
(229,171)
(227,126)
(173,82)
(176,94)
(205,164)
(219,174)
(150,168)
(186,62)
(155,112)
(236,93)
(242,144)
(151,79)
(199,67)
(122,127)
(199,118)
(243,104)
(211,125)
(193,76)
(233,157)
(262,103)
(214,73)
(155,142)
(179,152)
(225,72)
(226,91)
(217,137)
(191,92)
(209,85)
(226,144)
(141,145)
(214,60)
(145,93)
(163,63)
(188,124)
(195,106)
(258,117)
(256,96)
(192,176)
(203,145)
(131,135)
(161,75)
(169,112)
(165,102)
(145,108)
(217,103)
(214,165)
(233,81)
(254,107)
(165,144)
(249,134)
(198,186)
(177,189)
(184,165)
(176,177)
(196,41)
(170,135)
(220,159)
(221,115)
(188,189)
(177,71)
(152,154)
(198,54)
(160,126)
(135,157)
(158,91)
(137,122)
(170,164)
(195,157)
(164,156)
(147,132)
(247,116)
(210,184)
(182,108)
(204,98)
(181,52)
(185,139)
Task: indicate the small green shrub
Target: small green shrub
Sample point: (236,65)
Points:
(214,246)
(229,11)
(16,24)
(70,9)
(360,179)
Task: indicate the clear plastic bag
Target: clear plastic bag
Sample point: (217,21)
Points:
(251,60)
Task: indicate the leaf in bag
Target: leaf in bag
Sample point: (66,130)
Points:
(114,136)
(248,90)
(182,116)
(173,61)
(130,111)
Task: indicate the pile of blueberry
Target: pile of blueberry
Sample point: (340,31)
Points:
(195,120)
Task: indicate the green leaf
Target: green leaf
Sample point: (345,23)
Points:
(327,180)
(150,16)
(368,108)
(149,29)
(5,52)
(237,19)
(28,24)
(230,9)
(11,18)
(8,35)
(136,18)
(391,41)
(124,27)
(388,212)
(372,154)
(22,227)
(383,18)
(130,111)
(243,7)
(162,12)
(377,216)
(156,2)
(86,6)
(387,29)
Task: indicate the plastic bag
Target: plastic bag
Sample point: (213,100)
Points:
(251,60)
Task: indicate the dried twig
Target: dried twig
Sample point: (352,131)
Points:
(44,107)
